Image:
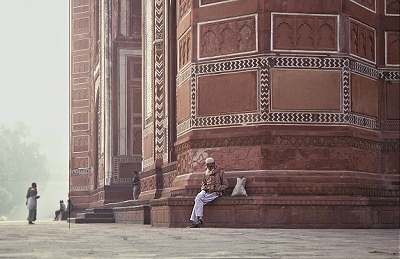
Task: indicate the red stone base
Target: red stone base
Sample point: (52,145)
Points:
(281,212)
(132,215)
(131,212)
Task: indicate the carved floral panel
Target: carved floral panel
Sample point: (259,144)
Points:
(228,37)
(184,7)
(185,49)
(392,48)
(304,32)
(362,41)
(392,7)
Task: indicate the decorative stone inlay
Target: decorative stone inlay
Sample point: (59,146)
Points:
(81,44)
(80,98)
(80,144)
(306,190)
(81,171)
(362,41)
(80,121)
(296,32)
(389,75)
(183,75)
(387,79)
(392,53)
(364,70)
(392,7)
(321,158)
(159,84)
(80,162)
(80,94)
(367,4)
(267,200)
(390,145)
(168,178)
(184,49)
(185,7)
(282,140)
(227,37)
(118,160)
(80,127)
(232,65)
(265,115)
(148,60)
(79,188)
(148,183)
(81,25)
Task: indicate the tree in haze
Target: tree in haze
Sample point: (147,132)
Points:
(21,163)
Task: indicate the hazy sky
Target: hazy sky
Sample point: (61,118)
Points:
(34,62)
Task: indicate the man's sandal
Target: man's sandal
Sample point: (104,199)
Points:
(193,225)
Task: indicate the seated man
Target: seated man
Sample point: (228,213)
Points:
(66,213)
(61,210)
(214,182)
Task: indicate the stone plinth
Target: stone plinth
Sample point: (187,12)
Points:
(131,212)
(281,212)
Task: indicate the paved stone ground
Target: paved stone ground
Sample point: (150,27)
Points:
(59,239)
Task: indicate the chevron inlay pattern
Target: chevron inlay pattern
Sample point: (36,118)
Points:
(263,64)
(159,80)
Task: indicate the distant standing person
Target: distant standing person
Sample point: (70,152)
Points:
(31,202)
(135,185)
(213,184)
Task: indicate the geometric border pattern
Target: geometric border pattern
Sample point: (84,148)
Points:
(159,66)
(117,161)
(232,65)
(389,75)
(264,115)
(315,117)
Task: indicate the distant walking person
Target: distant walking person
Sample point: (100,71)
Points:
(31,202)
(135,185)
(213,184)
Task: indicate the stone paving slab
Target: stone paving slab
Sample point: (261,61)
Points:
(60,239)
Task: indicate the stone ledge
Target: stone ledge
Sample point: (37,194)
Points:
(281,200)
(281,212)
(298,183)
(139,214)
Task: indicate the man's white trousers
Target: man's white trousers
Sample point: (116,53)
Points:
(201,199)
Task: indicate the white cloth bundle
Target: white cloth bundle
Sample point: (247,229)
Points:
(239,188)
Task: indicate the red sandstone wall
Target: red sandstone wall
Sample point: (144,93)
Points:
(288,85)
(264,87)
(81,88)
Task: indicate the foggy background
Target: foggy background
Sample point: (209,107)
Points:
(34,88)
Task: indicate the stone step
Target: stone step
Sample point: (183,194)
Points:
(100,210)
(91,220)
(94,215)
